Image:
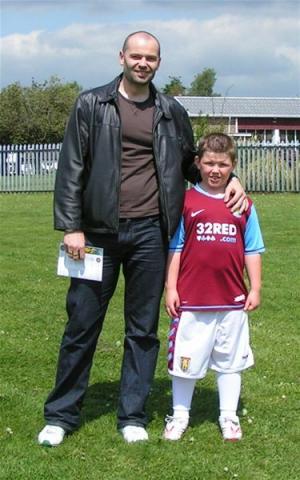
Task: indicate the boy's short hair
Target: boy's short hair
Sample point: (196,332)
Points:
(217,143)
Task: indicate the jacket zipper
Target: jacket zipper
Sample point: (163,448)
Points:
(118,183)
(160,181)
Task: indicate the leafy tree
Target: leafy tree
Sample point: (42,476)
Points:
(12,114)
(36,114)
(174,87)
(203,126)
(203,84)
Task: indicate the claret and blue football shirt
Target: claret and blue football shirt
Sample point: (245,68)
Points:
(213,242)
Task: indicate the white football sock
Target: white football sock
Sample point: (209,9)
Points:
(229,387)
(183,389)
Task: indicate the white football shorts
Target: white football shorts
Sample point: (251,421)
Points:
(216,340)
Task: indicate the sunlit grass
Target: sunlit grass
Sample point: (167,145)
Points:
(32,320)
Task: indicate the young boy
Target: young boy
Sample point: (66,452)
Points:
(205,291)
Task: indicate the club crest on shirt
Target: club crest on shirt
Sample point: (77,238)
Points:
(185,363)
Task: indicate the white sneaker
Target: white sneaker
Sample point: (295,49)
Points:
(231,429)
(175,427)
(132,433)
(51,436)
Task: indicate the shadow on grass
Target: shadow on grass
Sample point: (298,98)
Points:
(102,399)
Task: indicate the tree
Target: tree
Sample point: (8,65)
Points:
(12,114)
(204,125)
(36,114)
(174,87)
(203,84)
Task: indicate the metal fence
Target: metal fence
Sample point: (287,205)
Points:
(261,167)
(266,167)
(28,168)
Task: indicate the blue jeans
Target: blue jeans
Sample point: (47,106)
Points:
(141,250)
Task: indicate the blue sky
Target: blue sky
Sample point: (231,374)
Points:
(253,45)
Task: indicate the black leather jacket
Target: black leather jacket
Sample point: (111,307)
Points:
(87,184)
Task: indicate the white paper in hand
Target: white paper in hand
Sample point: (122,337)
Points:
(90,268)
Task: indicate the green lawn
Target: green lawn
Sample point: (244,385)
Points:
(32,320)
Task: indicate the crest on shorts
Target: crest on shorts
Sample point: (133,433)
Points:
(185,363)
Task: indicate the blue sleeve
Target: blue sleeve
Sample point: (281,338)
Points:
(177,241)
(253,238)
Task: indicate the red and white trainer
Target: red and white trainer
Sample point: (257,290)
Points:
(175,427)
(231,428)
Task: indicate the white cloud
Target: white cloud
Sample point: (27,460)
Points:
(292,54)
(260,58)
(19,46)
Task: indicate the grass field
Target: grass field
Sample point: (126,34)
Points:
(32,320)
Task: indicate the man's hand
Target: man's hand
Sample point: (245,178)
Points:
(74,243)
(235,196)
